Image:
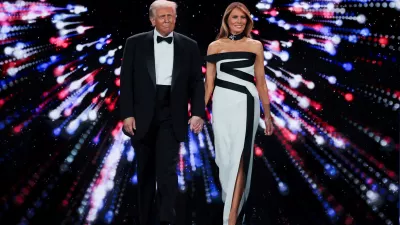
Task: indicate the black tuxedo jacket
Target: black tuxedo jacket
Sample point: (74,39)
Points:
(138,83)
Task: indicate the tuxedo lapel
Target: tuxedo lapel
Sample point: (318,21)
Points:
(151,67)
(177,59)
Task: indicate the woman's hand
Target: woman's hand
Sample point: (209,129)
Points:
(269,126)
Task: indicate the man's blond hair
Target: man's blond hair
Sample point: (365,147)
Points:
(161,4)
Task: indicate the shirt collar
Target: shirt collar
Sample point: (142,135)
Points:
(156,33)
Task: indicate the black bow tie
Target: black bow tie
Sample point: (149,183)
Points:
(167,39)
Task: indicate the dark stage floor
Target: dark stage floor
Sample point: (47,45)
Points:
(40,190)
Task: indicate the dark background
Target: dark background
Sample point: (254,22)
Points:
(326,184)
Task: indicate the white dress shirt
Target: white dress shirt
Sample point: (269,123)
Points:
(164,59)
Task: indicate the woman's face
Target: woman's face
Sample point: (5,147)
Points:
(237,21)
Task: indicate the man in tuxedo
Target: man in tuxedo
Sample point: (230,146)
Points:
(160,74)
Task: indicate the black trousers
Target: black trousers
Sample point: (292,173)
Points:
(157,157)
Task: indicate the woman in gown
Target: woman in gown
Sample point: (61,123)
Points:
(236,80)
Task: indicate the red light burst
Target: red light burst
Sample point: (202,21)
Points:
(349,97)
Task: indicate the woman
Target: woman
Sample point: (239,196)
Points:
(233,61)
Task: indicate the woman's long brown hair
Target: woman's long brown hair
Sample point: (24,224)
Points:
(224,30)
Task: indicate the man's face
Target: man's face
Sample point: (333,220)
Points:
(164,20)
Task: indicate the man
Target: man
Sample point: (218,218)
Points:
(160,73)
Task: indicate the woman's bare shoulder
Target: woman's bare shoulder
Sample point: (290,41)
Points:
(215,46)
(253,45)
(256,44)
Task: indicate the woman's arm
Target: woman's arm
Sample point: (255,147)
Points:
(260,79)
(210,74)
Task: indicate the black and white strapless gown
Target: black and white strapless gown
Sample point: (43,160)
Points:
(235,118)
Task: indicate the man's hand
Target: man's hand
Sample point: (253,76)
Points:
(196,124)
(130,125)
